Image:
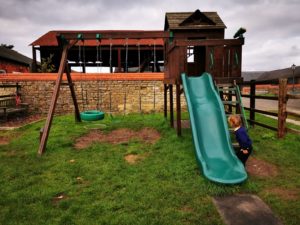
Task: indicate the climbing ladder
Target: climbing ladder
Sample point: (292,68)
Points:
(231,98)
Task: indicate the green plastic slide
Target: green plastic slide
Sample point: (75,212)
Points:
(213,148)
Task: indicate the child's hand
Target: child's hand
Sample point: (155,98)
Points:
(245,151)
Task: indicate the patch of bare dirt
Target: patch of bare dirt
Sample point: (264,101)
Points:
(123,135)
(260,168)
(4,140)
(20,121)
(186,209)
(285,194)
(133,159)
(149,135)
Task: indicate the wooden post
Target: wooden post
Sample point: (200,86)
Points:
(165,100)
(62,67)
(252,102)
(41,133)
(171,106)
(119,62)
(282,113)
(71,86)
(178,109)
(229,97)
(34,64)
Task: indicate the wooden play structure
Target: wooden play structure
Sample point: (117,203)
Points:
(191,43)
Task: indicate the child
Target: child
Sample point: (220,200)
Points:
(242,138)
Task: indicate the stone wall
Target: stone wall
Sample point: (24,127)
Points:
(115,96)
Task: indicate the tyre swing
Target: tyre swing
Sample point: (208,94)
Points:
(90,115)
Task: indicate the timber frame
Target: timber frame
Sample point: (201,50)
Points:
(227,51)
(193,43)
(67,41)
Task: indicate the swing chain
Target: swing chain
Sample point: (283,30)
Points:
(139,56)
(154,57)
(110,55)
(126,55)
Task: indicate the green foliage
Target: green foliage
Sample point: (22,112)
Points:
(46,65)
(7,46)
(98,186)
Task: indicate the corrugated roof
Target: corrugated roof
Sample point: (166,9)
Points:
(174,20)
(15,56)
(49,39)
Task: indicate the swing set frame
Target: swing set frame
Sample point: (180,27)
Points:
(67,41)
(176,46)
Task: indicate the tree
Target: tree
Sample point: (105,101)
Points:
(46,65)
(7,46)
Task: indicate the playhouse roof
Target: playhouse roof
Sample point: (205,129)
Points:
(193,20)
(49,39)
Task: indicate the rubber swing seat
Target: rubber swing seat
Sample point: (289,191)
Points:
(92,115)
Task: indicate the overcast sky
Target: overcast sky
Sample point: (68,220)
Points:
(272,40)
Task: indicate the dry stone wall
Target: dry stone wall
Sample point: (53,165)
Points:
(115,96)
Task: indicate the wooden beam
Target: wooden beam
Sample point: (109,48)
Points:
(282,112)
(171,106)
(46,128)
(209,42)
(165,100)
(262,125)
(293,114)
(252,102)
(34,64)
(119,61)
(178,109)
(262,97)
(262,111)
(73,94)
(293,131)
(116,35)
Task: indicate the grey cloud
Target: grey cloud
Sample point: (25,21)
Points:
(272,25)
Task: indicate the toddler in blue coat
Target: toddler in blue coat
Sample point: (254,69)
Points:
(245,143)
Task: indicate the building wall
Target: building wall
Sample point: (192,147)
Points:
(115,96)
(11,67)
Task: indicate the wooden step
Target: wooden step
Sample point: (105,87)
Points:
(231,102)
(228,89)
(230,114)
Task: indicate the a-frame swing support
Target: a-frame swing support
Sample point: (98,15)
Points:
(63,68)
(68,40)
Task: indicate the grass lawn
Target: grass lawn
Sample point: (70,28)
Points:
(96,185)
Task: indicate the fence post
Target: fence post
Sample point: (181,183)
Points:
(282,113)
(252,102)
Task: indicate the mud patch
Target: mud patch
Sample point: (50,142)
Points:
(186,209)
(285,194)
(4,140)
(119,136)
(260,168)
(21,121)
(133,159)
